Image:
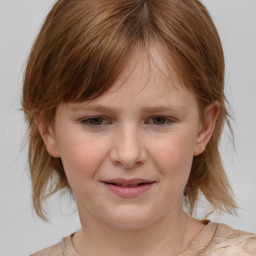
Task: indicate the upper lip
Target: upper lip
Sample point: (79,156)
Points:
(128,181)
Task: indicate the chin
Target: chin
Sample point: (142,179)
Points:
(131,219)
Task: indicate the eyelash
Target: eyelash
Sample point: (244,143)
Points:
(167,121)
(87,121)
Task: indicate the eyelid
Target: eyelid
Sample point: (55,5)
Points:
(86,120)
(106,121)
(169,120)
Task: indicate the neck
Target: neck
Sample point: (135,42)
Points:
(166,237)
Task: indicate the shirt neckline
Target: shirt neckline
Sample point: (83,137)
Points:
(201,241)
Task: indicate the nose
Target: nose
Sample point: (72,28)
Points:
(128,150)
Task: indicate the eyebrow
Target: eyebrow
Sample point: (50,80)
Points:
(94,107)
(144,110)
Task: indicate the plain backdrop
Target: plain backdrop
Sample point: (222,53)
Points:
(21,232)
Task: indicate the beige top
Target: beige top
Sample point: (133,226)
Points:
(214,240)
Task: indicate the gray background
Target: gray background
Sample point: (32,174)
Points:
(21,231)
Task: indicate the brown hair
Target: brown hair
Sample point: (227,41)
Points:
(83,47)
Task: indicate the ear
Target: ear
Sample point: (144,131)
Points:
(206,127)
(47,133)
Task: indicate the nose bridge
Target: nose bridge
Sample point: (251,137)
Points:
(128,149)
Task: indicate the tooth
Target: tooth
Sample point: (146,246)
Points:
(128,185)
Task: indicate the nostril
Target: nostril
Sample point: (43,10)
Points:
(127,155)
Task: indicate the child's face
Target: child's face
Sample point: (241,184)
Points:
(145,129)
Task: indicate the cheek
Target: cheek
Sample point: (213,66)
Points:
(81,159)
(173,157)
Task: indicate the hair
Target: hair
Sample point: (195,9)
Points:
(83,47)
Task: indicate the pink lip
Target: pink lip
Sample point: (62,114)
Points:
(128,181)
(128,192)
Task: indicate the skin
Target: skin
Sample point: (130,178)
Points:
(146,126)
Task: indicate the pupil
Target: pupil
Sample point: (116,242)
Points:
(159,120)
(96,121)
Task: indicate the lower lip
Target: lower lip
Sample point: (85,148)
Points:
(129,192)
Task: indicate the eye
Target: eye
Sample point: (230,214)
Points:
(94,121)
(159,120)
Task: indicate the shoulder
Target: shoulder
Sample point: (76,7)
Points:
(64,248)
(54,250)
(229,241)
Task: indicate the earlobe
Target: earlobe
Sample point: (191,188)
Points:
(47,133)
(206,128)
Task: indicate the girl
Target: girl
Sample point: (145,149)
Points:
(125,107)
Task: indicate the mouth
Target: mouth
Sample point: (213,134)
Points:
(128,182)
(129,185)
(128,188)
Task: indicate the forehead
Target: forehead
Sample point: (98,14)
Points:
(147,69)
(147,80)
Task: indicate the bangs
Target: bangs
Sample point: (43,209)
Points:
(85,45)
(88,56)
